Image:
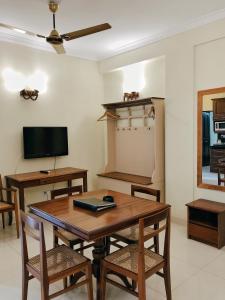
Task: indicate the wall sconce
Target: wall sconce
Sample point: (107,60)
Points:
(130,96)
(133,79)
(29,88)
(29,94)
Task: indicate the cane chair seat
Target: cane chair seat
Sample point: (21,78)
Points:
(127,258)
(59,259)
(68,235)
(132,233)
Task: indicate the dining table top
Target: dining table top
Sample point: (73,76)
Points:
(89,225)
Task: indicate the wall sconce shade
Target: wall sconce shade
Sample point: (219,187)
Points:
(29,94)
(29,87)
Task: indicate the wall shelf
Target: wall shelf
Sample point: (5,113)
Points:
(143,180)
(123,104)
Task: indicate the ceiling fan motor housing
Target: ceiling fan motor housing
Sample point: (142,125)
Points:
(54,38)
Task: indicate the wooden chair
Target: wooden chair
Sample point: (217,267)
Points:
(6,207)
(66,237)
(131,235)
(138,263)
(52,265)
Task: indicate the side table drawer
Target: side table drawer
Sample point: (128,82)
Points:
(203,233)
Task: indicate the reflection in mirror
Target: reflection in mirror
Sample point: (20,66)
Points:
(211,139)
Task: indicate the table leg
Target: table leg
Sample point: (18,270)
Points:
(85,187)
(98,255)
(9,200)
(69,185)
(21,198)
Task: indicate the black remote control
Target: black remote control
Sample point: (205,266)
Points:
(45,171)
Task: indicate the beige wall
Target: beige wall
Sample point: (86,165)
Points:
(154,74)
(181,87)
(73,99)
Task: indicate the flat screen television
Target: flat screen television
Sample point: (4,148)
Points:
(45,141)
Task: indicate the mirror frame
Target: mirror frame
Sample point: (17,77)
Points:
(200,184)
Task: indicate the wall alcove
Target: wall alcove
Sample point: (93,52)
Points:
(134,144)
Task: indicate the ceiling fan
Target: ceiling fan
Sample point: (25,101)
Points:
(55,39)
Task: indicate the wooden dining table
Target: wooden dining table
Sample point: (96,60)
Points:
(96,226)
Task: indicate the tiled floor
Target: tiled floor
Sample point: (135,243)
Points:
(198,271)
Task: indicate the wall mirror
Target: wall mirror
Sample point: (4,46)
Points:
(211,139)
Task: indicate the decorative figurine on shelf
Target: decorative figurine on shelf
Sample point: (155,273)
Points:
(130,96)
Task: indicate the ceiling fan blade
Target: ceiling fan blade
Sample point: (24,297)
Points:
(59,49)
(83,32)
(21,30)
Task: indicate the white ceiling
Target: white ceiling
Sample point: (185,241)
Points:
(134,22)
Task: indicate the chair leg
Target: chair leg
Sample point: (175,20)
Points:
(65,282)
(167,281)
(103,281)
(44,290)
(3,221)
(89,283)
(107,245)
(156,239)
(134,285)
(55,238)
(25,285)
(82,245)
(71,276)
(141,289)
(17,223)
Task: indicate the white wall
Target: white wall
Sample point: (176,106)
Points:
(154,74)
(181,102)
(73,99)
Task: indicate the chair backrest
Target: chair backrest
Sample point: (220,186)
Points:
(164,217)
(67,191)
(145,190)
(35,229)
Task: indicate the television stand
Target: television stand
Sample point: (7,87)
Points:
(32,179)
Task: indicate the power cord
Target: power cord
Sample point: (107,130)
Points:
(54,167)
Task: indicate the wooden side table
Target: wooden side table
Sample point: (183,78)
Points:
(206,222)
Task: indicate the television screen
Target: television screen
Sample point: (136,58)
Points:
(45,141)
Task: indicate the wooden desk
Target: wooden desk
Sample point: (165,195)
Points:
(32,179)
(96,225)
